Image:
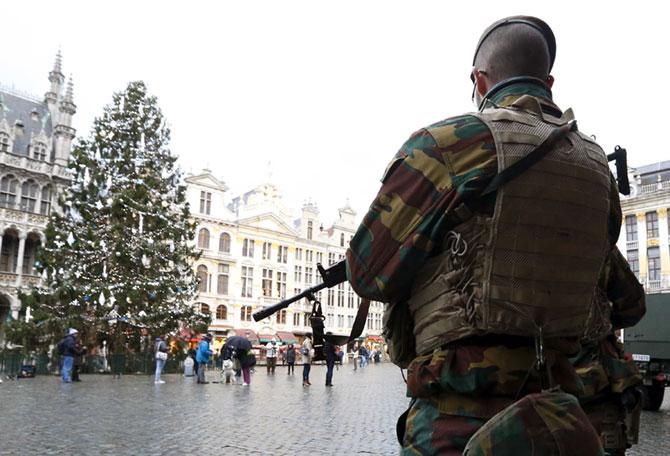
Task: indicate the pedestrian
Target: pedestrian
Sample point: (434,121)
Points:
(161,355)
(192,353)
(290,358)
(271,355)
(78,360)
(202,357)
(306,352)
(67,347)
(363,355)
(480,224)
(354,355)
(247,361)
(331,355)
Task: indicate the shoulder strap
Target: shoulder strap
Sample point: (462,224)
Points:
(529,160)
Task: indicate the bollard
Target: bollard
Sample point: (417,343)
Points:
(188,367)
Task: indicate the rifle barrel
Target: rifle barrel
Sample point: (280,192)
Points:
(264,313)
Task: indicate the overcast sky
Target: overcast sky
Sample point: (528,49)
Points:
(327,91)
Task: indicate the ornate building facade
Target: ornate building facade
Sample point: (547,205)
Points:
(35,140)
(645,237)
(254,254)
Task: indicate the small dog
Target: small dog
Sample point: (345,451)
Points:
(228,372)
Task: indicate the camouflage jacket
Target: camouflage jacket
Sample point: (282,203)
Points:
(415,207)
(421,188)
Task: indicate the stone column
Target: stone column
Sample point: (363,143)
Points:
(19,259)
(663,241)
(642,245)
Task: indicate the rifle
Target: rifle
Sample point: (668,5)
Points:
(620,157)
(332,276)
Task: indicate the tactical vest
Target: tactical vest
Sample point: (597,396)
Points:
(535,263)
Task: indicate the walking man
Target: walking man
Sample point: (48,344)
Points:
(271,355)
(331,354)
(68,348)
(306,352)
(161,351)
(202,357)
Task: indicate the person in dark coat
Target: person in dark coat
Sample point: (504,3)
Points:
(290,358)
(78,361)
(68,349)
(329,351)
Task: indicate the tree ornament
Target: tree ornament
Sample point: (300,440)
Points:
(70,239)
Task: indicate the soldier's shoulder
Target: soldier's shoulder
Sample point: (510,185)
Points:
(452,130)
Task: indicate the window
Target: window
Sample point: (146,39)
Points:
(221,312)
(205,203)
(329,320)
(308,276)
(247,281)
(633,257)
(45,201)
(305,319)
(282,254)
(29,191)
(631,228)
(224,243)
(267,250)
(203,238)
(654,258)
(331,297)
(267,282)
(350,321)
(652,225)
(340,321)
(310,229)
(331,259)
(4,142)
(8,187)
(203,277)
(248,248)
(340,295)
(297,276)
(298,254)
(39,151)
(319,257)
(222,280)
(296,319)
(245,313)
(281,317)
(350,298)
(341,239)
(203,308)
(281,285)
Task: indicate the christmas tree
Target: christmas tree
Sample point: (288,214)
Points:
(117,260)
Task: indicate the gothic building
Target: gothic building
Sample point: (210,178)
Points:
(35,140)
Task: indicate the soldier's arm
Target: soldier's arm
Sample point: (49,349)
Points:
(427,179)
(625,292)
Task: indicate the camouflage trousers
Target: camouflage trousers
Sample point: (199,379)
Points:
(432,429)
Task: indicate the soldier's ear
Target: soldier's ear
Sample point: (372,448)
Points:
(549,81)
(481,81)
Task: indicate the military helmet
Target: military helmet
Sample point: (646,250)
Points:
(534,22)
(550,423)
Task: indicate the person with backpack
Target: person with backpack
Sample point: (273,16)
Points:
(67,348)
(161,353)
(202,357)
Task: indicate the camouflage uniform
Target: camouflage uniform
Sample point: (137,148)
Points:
(457,389)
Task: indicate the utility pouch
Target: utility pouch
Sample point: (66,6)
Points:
(398,333)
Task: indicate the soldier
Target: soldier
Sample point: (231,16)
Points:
(487,240)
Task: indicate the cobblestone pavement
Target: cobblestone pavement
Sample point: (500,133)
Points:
(274,416)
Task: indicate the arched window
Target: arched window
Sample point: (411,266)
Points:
(224,243)
(39,151)
(222,312)
(4,142)
(203,238)
(310,229)
(341,239)
(45,201)
(203,277)
(29,191)
(204,308)
(8,186)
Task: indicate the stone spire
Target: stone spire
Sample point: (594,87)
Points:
(56,78)
(69,95)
